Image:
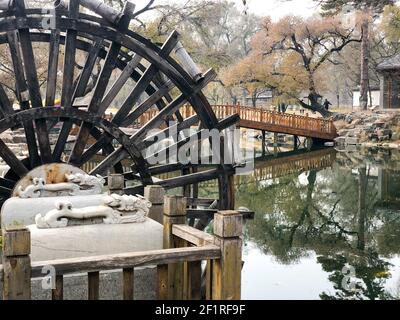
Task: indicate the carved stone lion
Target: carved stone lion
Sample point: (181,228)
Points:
(115,209)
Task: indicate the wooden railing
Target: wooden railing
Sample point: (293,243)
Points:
(179,268)
(258,118)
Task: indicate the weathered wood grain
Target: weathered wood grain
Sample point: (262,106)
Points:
(129,260)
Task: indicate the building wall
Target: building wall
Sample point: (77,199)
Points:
(376,97)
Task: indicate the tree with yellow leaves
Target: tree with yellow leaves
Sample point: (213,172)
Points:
(291,56)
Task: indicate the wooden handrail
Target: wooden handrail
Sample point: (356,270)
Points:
(259,115)
(192,235)
(127,260)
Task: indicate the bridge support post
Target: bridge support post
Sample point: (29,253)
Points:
(263,143)
(295,142)
(275,144)
(309,143)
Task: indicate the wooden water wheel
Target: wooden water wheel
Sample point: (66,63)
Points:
(165,79)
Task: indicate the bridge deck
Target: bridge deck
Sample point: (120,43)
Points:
(260,119)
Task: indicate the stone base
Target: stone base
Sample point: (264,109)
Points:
(94,240)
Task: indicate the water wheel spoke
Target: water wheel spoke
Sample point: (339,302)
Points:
(198,136)
(121,116)
(179,127)
(121,153)
(23,95)
(7,183)
(148,103)
(6,108)
(145,80)
(120,82)
(190,179)
(86,72)
(172,108)
(52,69)
(106,139)
(11,159)
(95,105)
(33,84)
(68,79)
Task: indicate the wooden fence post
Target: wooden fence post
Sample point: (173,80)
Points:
(17,263)
(116,183)
(155,194)
(226,272)
(174,213)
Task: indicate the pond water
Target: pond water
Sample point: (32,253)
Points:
(332,232)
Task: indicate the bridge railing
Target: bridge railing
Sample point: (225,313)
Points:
(256,115)
(275,118)
(179,264)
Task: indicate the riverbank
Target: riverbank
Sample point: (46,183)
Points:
(368,129)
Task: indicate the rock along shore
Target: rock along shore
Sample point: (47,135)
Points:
(368,128)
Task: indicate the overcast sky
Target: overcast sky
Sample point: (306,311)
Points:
(274,8)
(278,8)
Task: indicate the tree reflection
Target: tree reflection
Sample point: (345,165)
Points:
(333,214)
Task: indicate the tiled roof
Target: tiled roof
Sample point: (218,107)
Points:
(391,63)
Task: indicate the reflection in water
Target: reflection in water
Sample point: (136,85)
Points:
(345,218)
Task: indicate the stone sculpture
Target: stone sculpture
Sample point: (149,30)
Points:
(78,184)
(115,209)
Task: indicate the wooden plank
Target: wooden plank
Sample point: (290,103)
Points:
(100,88)
(23,96)
(52,70)
(69,57)
(33,84)
(209,213)
(128,260)
(11,159)
(93,285)
(194,280)
(145,80)
(120,82)
(120,118)
(162,116)
(86,73)
(226,277)
(6,108)
(199,136)
(7,183)
(192,235)
(67,91)
(189,179)
(162,281)
(16,264)
(58,292)
(148,103)
(128,284)
(102,142)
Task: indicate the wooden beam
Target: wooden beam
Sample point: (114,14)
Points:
(101,85)
(120,153)
(52,70)
(192,235)
(128,260)
(79,91)
(33,83)
(23,96)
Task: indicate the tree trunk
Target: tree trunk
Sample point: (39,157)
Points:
(254,100)
(362,192)
(364,64)
(315,106)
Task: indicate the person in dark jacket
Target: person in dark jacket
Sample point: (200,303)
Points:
(327,104)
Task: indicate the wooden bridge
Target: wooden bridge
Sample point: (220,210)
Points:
(264,120)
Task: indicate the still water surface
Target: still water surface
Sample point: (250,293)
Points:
(328,231)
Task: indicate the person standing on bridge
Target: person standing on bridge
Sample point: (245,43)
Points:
(327,104)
